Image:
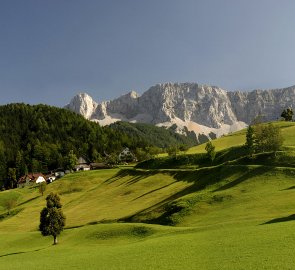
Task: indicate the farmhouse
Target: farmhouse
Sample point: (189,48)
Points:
(82,165)
(126,155)
(30,179)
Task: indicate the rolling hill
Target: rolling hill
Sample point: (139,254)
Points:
(231,215)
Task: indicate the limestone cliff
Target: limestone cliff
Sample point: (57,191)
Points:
(201,108)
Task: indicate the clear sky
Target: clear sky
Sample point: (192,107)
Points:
(51,50)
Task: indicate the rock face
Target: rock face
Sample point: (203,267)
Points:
(200,108)
(83,104)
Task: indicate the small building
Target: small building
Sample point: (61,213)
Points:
(58,173)
(30,179)
(126,156)
(82,165)
(50,178)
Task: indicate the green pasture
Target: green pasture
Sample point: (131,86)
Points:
(233,216)
(238,138)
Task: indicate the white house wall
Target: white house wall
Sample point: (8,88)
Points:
(40,180)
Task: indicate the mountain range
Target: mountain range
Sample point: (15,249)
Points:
(205,110)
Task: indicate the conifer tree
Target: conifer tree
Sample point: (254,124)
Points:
(250,140)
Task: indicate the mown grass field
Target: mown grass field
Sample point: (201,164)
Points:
(225,217)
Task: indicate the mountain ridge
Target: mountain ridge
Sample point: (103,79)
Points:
(200,108)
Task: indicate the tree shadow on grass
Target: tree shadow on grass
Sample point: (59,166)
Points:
(198,180)
(154,190)
(29,200)
(289,188)
(135,176)
(248,174)
(21,252)
(120,174)
(12,213)
(282,219)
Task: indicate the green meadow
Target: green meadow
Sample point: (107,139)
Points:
(233,215)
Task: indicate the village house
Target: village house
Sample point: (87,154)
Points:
(50,178)
(82,165)
(30,179)
(126,156)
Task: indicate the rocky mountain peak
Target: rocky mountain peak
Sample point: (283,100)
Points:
(133,94)
(203,109)
(82,104)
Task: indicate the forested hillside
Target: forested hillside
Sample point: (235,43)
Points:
(158,136)
(38,139)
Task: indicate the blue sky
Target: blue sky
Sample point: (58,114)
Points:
(52,49)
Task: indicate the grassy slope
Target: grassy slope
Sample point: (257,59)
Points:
(238,138)
(225,227)
(95,196)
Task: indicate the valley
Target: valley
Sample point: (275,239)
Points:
(233,215)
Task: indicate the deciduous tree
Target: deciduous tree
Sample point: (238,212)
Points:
(250,140)
(42,187)
(173,151)
(287,114)
(210,149)
(10,204)
(52,219)
(12,183)
(267,138)
(71,160)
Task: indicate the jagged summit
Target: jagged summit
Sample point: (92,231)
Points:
(83,104)
(133,94)
(203,109)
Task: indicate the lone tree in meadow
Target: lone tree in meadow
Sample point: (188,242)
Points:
(9,204)
(250,140)
(268,138)
(287,114)
(210,149)
(263,138)
(52,219)
(42,187)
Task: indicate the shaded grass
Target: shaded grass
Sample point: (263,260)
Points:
(216,210)
(281,219)
(11,214)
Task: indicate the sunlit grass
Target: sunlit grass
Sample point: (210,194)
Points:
(234,217)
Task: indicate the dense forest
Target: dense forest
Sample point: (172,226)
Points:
(159,136)
(39,138)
